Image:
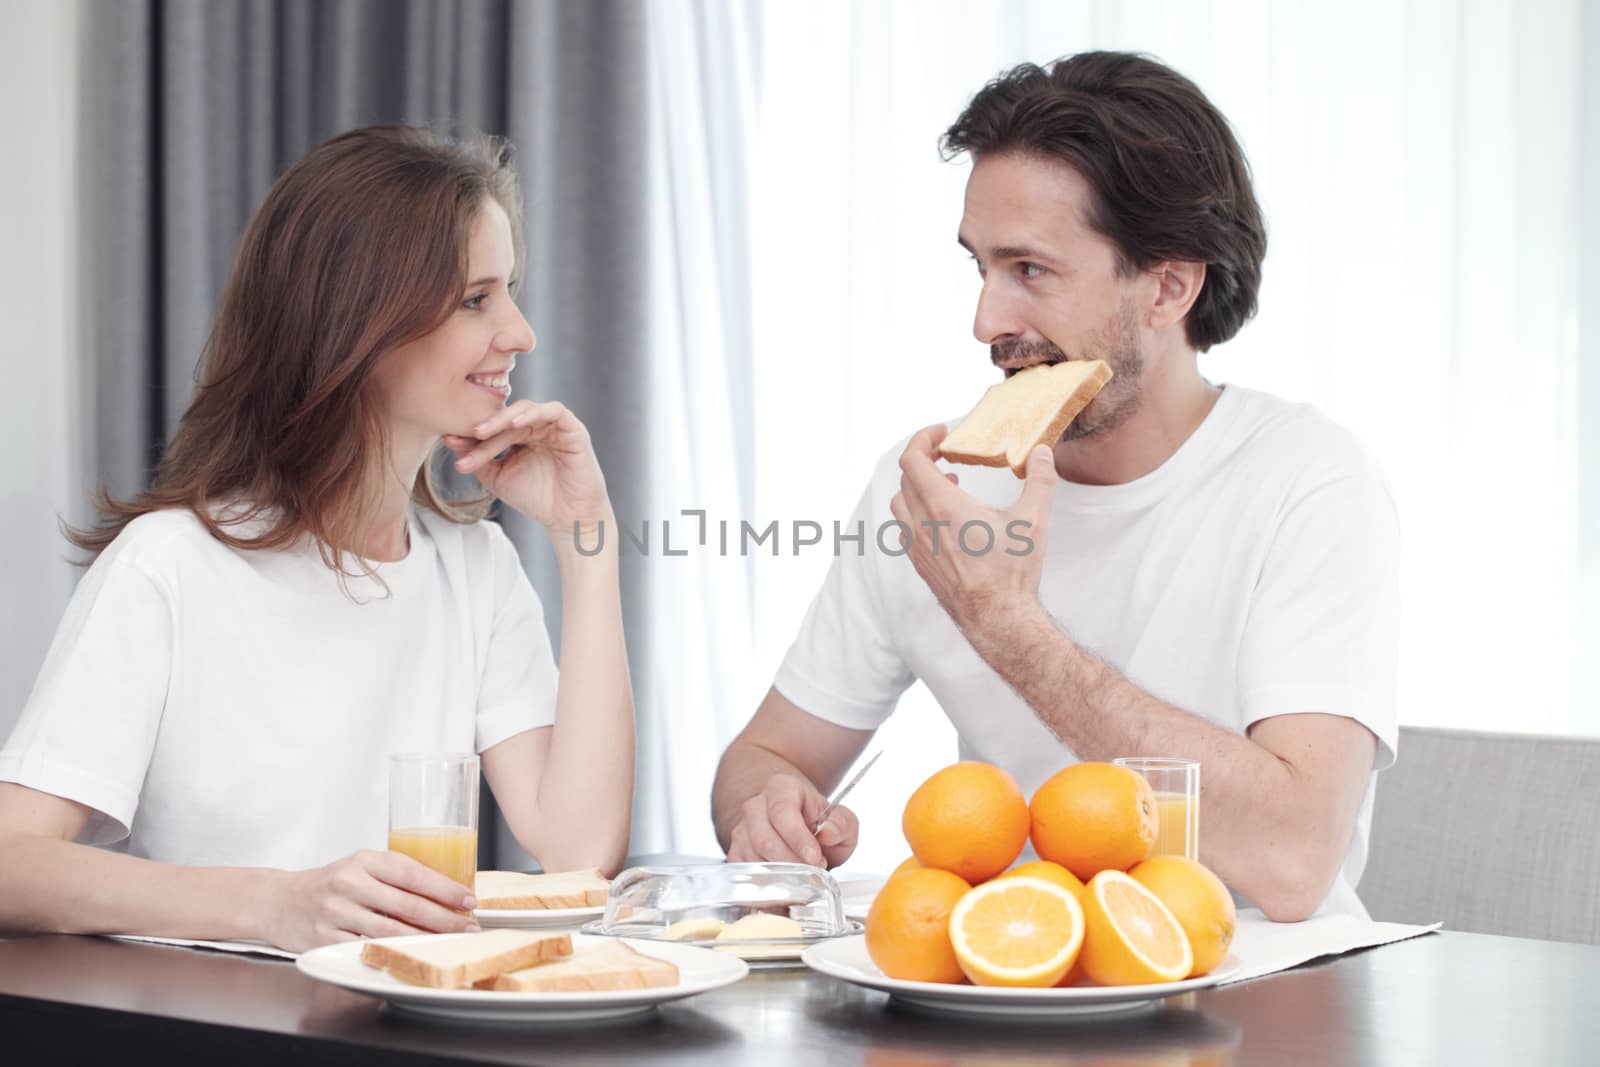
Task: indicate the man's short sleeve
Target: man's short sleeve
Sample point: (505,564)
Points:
(1323,629)
(843,666)
(89,727)
(520,679)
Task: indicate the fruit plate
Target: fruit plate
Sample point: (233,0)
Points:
(537,918)
(846,958)
(699,970)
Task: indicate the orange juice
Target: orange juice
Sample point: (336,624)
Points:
(1179,834)
(450,850)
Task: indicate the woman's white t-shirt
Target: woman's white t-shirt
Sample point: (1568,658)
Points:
(223,707)
(1255,573)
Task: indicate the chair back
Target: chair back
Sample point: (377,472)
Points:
(1490,833)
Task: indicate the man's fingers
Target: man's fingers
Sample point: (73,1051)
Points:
(1040,487)
(739,845)
(918,465)
(767,844)
(840,827)
(790,824)
(908,525)
(839,835)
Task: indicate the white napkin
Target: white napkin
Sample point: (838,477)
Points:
(249,948)
(1265,947)
(1261,946)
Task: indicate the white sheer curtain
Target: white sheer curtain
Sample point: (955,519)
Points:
(703,64)
(41,300)
(1419,166)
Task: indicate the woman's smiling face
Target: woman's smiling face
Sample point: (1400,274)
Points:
(454,378)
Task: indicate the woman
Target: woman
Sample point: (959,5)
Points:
(292,602)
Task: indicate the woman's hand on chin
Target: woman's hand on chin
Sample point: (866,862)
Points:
(547,468)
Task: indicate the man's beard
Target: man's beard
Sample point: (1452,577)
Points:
(1118,346)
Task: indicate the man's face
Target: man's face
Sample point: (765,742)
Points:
(1051,291)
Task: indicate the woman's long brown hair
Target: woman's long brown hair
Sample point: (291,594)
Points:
(358,248)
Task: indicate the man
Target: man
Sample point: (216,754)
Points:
(1214,570)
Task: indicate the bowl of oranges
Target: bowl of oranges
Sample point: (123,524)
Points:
(1095,924)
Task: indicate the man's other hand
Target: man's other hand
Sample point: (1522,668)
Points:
(777,824)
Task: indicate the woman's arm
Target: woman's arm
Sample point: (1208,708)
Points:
(567,790)
(49,883)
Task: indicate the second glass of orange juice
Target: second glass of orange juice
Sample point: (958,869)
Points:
(1176,783)
(433,812)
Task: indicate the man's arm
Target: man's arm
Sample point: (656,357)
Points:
(769,787)
(1279,804)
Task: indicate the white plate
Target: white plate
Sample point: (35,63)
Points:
(537,918)
(698,971)
(846,958)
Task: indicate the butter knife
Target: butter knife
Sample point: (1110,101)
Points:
(838,797)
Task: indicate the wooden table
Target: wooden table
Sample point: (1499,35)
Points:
(1446,998)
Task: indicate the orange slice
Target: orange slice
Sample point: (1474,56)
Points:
(1017,931)
(1130,937)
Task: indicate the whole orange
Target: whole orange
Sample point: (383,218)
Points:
(908,864)
(1050,872)
(1092,817)
(970,819)
(908,926)
(1198,900)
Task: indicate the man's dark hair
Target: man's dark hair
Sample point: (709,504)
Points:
(1168,179)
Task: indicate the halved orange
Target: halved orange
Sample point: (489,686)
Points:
(1017,931)
(1130,937)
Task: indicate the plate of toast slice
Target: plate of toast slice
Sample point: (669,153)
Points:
(520,976)
(559,901)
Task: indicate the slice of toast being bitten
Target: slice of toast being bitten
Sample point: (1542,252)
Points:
(1032,407)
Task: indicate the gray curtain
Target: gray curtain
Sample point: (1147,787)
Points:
(192,107)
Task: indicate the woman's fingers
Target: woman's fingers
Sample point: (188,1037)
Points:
(522,413)
(483,451)
(363,921)
(404,872)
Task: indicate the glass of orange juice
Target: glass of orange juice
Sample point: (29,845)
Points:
(1177,787)
(433,812)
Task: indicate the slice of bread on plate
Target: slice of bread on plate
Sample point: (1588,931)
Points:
(592,969)
(515,891)
(1032,407)
(456,961)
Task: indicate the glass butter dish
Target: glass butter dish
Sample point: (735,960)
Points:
(761,912)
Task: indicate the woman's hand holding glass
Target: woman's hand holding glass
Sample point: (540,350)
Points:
(548,471)
(369,894)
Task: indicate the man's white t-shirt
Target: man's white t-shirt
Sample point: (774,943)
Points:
(1253,574)
(223,707)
